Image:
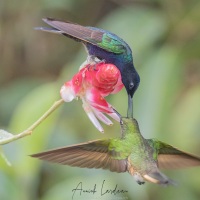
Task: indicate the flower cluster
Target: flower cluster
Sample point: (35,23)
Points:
(91,84)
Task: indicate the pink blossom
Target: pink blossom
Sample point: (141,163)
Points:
(92,83)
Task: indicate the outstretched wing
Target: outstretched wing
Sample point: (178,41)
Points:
(173,158)
(98,37)
(94,154)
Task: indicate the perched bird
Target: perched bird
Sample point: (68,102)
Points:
(141,157)
(103,45)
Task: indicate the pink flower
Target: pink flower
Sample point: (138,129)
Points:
(92,83)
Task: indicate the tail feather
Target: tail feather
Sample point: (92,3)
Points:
(52,30)
(159,178)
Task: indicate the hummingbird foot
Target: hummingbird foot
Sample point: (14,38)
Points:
(92,61)
(138,178)
(140,183)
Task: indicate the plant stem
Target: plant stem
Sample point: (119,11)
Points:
(30,129)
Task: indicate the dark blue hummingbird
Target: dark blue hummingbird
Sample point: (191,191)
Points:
(105,46)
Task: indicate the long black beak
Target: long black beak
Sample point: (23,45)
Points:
(130,107)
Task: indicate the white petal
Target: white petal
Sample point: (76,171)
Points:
(102,117)
(67,93)
(92,117)
(114,116)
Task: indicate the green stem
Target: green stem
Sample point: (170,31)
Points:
(30,129)
(4,157)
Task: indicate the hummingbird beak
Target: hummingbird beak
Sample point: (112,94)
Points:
(130,107)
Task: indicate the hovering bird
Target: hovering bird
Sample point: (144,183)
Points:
(105,46)
(132,153)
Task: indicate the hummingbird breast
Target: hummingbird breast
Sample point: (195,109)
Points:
(141,161)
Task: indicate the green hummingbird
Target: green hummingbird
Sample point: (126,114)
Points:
(132,153)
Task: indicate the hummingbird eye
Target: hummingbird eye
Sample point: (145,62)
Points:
(131,85)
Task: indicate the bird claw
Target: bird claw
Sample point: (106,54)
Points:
(141,182)
(93,61)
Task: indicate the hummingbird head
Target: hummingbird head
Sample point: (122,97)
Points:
(128,125)
(131,80)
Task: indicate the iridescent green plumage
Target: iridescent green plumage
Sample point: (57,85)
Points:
(110,43)
(141,157)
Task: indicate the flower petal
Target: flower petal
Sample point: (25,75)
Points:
(91,116)
(102,117)
(119,85)
(97,101)
(114,116)
(117,88)
(92,83)
(107,74)
(67,93)
(105,78)
(77,81)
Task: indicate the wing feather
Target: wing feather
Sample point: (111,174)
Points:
(173,158)
(94,154)
(98,37)
(177,161)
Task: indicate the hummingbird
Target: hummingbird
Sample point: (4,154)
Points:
(105,46)
(141,158)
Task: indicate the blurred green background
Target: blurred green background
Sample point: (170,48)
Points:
(165,38)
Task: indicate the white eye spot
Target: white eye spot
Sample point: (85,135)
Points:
(131,85)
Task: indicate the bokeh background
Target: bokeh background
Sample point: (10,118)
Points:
(165,38)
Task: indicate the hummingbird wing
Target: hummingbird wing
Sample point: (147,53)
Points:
(93,154)
(173,158)
(98,37)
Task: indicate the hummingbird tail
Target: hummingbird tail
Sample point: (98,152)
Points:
(159,178)
(51,30)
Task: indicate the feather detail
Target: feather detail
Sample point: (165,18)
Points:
(94,154)
(98,37)
(169,157)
